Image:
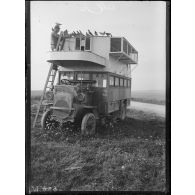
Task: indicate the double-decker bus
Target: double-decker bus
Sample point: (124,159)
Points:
(94,82)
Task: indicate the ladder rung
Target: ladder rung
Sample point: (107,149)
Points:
(38,121)
(38,114)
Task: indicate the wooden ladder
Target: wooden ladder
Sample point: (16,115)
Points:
(48,87)
(50,80)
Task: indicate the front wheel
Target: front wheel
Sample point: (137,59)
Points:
(88,124)
(47,123)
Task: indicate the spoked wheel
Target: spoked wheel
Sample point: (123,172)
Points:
(88,124)
(47,122)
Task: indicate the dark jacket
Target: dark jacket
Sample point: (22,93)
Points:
(54,38)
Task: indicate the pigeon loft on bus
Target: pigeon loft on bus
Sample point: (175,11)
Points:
(93,81)
(99,52)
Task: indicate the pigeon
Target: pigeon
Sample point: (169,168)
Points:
(90,32)
(66,33)
(87,34)
(102,33)
(109,34)
(96,33)
(77,33)
(73,33)
(81,33)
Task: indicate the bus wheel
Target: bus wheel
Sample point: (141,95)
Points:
(88,124)
(123,112)
(46,122)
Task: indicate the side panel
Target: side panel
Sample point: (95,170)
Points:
(100,99)
(69,44)
(119,93)
(118,67)
(101,46)
(115,94)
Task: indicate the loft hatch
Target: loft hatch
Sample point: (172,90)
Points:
(123,51)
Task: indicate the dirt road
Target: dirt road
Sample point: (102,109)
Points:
(151,108)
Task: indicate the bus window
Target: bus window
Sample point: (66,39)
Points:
(67,75)
(115,44)
(101,80)
(125,46)
(87,44)
(125,82)
(95,78)
(82,76)
(129,49)
(111,81)
(116,81)
(104,83)
(121,82)
(82,44)
(128,83)
(77,46)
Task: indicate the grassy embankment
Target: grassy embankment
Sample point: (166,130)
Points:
(127,155)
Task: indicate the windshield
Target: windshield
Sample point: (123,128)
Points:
(67,75)
(83,76)
(73,78)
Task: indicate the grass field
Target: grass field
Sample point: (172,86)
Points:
(127,155)
(149,96)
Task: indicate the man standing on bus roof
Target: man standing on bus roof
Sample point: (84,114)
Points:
(55,36)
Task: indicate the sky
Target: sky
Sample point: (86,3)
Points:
(142,23)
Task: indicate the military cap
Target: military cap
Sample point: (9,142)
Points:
(57,25)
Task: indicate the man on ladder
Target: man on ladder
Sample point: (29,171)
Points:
(55,45)
(55,36)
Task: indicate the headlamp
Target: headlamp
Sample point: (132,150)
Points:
(49,95)
(81,97)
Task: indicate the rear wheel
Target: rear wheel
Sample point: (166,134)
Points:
(123,111)
(88,124)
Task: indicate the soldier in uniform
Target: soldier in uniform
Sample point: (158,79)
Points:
(55,36)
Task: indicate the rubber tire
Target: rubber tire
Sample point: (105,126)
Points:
(84,130)
(123,112)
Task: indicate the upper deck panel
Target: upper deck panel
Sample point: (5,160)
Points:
(59,56)
(97,49)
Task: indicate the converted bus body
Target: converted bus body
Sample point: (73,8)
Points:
(99,73)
